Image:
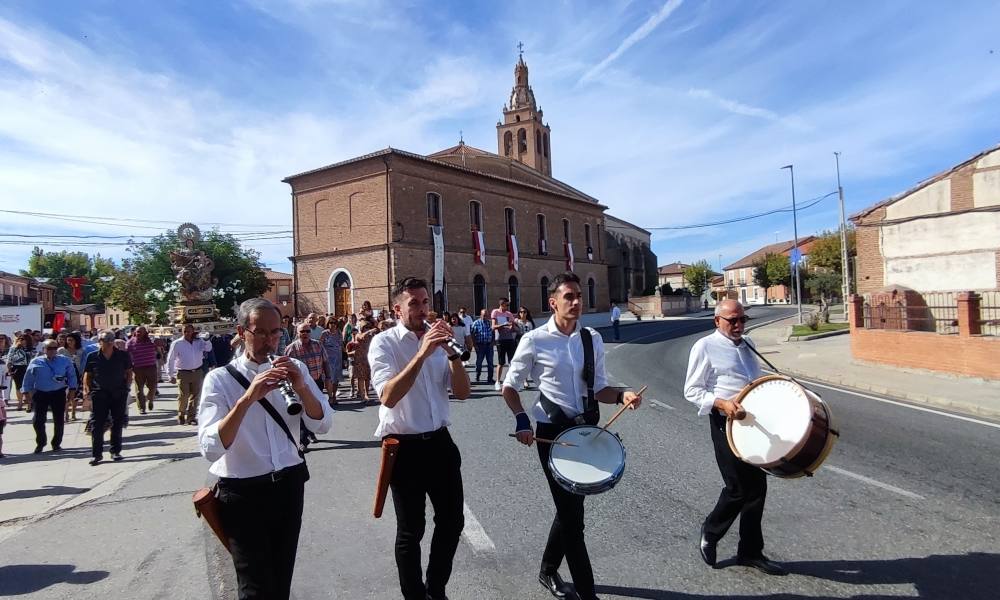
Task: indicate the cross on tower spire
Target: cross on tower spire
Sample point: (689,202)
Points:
(520,49)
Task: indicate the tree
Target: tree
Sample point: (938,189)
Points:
(698,277)
(55,267)
(825,252)
(824,284)
(666,289)
(126,293)
(772,270)
(760,277)
(238,269)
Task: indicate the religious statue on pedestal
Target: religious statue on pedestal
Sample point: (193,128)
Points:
(192,268)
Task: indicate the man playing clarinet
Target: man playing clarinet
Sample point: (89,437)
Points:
(556,356)
(411,371)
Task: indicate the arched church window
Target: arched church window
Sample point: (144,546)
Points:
(545,144)
(508,143)
(522,140)
(544,285)
(538,142)
(433,209)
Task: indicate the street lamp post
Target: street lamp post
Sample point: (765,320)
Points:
(845,268)
(796,257)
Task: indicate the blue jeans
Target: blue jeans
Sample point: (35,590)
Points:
(484,351)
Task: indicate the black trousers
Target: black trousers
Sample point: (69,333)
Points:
(41,403)
(566,533)
(262,522)
(432,468)
(104,402)
(743,495)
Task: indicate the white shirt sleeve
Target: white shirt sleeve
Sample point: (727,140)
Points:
(213,407)
(380,362)
(324,423)
(696,383)
(521,364)
(171,357)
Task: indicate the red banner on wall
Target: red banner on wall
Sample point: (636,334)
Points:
(76,285)
(513,260)
(479,244)
(568,248)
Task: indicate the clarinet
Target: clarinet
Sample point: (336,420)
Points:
(453,346)
(292,403)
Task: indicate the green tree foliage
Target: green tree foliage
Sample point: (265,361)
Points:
(822,283)
(698,277)
(760,277)
(57,266)
(772,270)
(666,289)
(126,293)
(238,269)
(825,251)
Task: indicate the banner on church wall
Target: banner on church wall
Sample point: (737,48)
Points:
(438,257)
(513,261)
(568,247)
(543,247)
(479,244)
(590,253)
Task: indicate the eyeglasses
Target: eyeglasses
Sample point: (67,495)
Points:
(305,331)
(265,334)
(734,320)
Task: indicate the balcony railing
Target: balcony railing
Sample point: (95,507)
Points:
(15,300)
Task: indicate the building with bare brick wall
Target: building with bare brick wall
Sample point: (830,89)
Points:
(942,235)
(476,225)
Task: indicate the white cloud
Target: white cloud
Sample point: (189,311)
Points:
(633,38)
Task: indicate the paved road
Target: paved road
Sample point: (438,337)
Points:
(906,506)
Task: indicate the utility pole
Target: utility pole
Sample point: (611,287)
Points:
(796,255)
(844,254)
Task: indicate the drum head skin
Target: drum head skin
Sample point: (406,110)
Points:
(597,457)
(778,418)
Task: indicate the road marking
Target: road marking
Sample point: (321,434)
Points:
(475,534)
(658,403)
(894,402)
(876,483)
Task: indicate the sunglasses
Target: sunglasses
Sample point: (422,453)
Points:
(734,320)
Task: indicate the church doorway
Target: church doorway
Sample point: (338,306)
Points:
(341,301)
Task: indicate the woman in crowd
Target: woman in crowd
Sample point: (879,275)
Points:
(4,375)
(18,358)
(362,369)
(72,348)
(524,324)
(462,336)
(333,343)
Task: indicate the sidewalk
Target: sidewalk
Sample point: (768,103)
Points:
(33,486)
(603,319)
(829,360)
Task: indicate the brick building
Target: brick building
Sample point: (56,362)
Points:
(279,290)
(942,235)
(476,225)
(631,263)
(739,275)
(16,290)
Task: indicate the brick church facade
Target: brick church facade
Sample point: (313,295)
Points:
(476,225)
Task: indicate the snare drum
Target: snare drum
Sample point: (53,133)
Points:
(788,431)
(593,466)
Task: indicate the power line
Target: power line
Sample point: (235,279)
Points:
(126,220)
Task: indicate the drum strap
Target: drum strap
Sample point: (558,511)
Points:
(773,368)
(591,413)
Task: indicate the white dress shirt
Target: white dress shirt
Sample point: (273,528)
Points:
(467,320)
(718,368)
(616,314)
(185,355)
(555,361)
(260,445)
(425,406)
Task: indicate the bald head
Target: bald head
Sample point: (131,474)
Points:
(730,319)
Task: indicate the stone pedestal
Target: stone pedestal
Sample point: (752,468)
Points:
(195,313)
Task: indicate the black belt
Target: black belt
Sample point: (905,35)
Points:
(269,478)
(419,437)
(188,370)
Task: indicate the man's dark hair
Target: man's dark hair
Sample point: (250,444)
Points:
(558,280)
(407,284)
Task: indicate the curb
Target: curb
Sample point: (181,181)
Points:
(967,408)
(817,336)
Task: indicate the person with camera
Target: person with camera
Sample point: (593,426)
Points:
(49,382)
(245,421)
(412,371)
(107,376)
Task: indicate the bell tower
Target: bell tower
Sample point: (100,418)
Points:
(522,135)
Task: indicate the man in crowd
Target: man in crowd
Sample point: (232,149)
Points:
(506,332)
(616,317)
(482,337)
(312,353)
(184,368)
(315,331)
(245,433)
(467,320)
(142,350)
(49,383)
(107,376)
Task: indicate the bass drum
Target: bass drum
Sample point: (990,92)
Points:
(788,431)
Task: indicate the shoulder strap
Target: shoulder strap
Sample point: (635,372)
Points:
(588,366)
(267,406)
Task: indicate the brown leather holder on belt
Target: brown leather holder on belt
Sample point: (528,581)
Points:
(207,506)
(390,446)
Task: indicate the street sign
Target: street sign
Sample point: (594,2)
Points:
(796,256)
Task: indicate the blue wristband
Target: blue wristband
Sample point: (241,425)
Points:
(523,422)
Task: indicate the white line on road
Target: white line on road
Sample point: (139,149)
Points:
(903,404)
(475,534)
(658,403)
(876,483)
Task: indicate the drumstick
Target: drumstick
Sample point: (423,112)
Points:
(621,410)
(538,439)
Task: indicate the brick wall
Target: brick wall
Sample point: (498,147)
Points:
(961,188)
(367,268)
(974,356)
(870,275)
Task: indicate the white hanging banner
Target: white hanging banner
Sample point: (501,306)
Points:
(438,258)
(513,260)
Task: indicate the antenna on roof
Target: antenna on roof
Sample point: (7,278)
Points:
(461,140)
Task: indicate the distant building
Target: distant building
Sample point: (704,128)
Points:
(672,274)
(631,262)
(279,290)
(112,318)
(739,275)
(16,290)
(941,235)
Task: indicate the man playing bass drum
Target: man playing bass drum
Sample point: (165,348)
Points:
(554,356)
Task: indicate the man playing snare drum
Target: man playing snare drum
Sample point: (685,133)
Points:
(554,356)
(720,365)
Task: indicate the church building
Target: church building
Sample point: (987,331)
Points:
(476,225)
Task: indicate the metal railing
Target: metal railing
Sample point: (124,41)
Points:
(989,313)
(935,312)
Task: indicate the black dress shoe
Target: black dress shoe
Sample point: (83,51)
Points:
(556,586)
(707,549)
(762,564)
(38,449)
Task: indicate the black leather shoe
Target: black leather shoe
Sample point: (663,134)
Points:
(38,449)
(556,586)
(762,564)
(707,549)
(432,597)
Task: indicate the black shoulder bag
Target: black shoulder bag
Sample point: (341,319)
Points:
(267,406)
(591,413)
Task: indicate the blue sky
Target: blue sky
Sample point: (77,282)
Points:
(671,113)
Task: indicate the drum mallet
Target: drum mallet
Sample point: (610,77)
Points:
(543,440)
(621,410)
